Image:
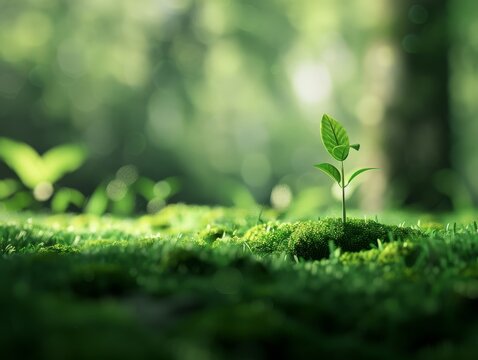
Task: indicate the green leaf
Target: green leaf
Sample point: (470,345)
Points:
(8,187)
(330,170)
(333,135)
(98,202)
(355,146)
(24,161)
(358,172)
(64,197)
(341,151)
(63,159)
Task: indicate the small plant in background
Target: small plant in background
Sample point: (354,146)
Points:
(122,194)
(38,173)
(336,142)
(65,197)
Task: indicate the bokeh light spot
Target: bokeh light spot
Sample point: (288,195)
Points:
(370,110)
(281,197)
(43,191)
(312,83)
(155,205)
(32,29)
(128,174)
(162,189)
(116,190)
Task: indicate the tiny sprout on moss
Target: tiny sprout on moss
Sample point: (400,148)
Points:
(336,142)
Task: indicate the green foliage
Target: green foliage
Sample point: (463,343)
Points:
(330,170)
(97,204)
(8,187)
(334,138)
(122,193)
(39,174)
(64,197)
(119,196)
(33,169)
(357,173)
(336,142)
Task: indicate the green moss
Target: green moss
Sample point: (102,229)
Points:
(359,258)
(432,226)
(212,233)
(174,293)
(180,218)
(270,237)
(58,249)
(102,243)
(393,252)
(310,239)
(27,238)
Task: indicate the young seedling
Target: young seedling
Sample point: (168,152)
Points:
(336,142)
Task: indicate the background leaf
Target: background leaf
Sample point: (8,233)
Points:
(8,187)
(358,172)
(24,160)
(33,169)
(330,170)
(64,197)
(333,135)
(63,159)
(355,146)
(98,202)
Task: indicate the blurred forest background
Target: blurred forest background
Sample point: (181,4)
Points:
(219,101)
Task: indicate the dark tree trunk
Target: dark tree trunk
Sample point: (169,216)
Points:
(417,132)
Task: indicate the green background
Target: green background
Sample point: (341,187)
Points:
(226,96)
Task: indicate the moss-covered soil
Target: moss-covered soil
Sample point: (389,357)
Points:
(212,283)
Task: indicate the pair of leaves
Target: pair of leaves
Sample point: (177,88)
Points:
(335,138)
(33,169)
(334,173)
(336,142)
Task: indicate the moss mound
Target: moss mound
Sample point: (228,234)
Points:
(310,239)
(270,237)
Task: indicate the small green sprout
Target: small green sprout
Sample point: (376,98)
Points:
(336,142)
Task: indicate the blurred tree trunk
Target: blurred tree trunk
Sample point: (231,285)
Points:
(417,131)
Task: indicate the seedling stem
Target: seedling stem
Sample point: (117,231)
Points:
(344,214)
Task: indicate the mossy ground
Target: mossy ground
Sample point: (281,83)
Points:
(314,240)
(214,283)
